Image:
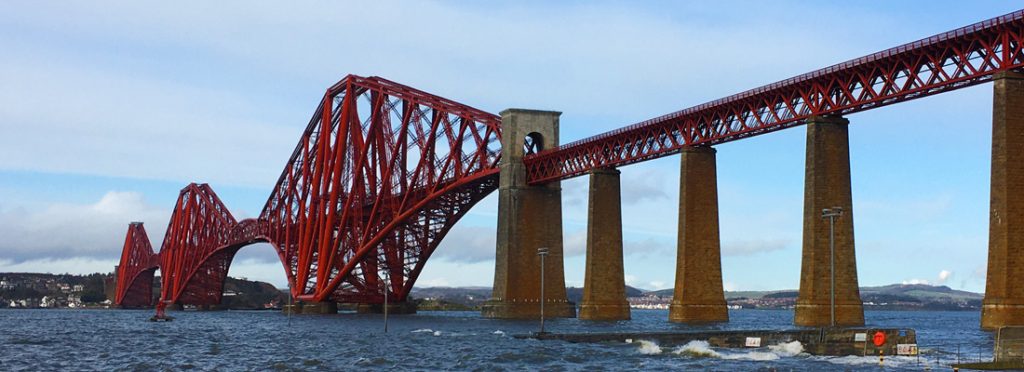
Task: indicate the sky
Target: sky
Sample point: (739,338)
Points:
(109,109)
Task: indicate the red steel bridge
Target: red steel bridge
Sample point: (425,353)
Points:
(383,171)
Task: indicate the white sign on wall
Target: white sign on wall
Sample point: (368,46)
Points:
(906,349)
(753,342)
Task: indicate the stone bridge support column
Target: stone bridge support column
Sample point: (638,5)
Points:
(827,185)
(394,308)
(604,286)
(698,297)
(1004,288)
(529,217)
(326,307)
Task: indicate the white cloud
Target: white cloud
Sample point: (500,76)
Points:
(649,247)
(944,275)
(657,284)
(752,247)
(258,270)
(73,265)
(434,282)
(467,244)
(916,281)
(458,274)
(644,185)
(60,231)
(575,244)
(130,126)
(729,286)
(631,280)
(230,89)
(648,185)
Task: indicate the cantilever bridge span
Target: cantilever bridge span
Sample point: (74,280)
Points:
(379,176)
(383,171)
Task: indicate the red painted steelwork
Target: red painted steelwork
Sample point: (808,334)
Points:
(135,273)
(383,171)
(944,62)
(380,175)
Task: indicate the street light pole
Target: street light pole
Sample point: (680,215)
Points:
(832,214)
(387,286)
(542,252)
(290,307)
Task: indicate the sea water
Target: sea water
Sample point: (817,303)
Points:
(105,340)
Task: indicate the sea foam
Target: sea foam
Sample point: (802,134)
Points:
(648,347)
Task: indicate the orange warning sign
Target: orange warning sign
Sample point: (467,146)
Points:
(879,338)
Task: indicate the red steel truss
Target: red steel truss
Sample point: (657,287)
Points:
(944,62)
(380,175)
(135,273)
(383,171)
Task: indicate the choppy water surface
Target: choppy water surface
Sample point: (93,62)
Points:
(263,340)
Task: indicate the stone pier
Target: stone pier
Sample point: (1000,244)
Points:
(604,287)
(394,308)
(529,217)
(827,185)
(327,307)
(698,297)
(1004,288)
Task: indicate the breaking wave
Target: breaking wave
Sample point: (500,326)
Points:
(697,349)
(701,349)
(648,347)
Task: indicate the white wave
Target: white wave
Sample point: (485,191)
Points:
(701,349)
(423,330)
(853,360)
(499,332)
(697,348)
(648,347)
(751,355)
(437,333)
(787,348)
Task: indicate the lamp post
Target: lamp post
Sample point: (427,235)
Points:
(542,252)
(832,214)
(387,286)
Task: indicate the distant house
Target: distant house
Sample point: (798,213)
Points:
(48,302)
(78,288)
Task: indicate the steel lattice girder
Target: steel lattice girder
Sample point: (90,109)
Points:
(135,272)
(944,62)
(383,171)
(375,156)
(200,227)
(392,167)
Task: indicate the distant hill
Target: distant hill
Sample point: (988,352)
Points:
(575,294)
(241,294)
(889,297)
(922,291)
(96,290)
(470,297)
